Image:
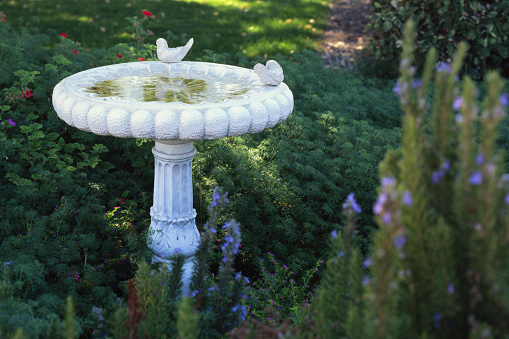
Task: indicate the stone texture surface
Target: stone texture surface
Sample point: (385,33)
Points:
(172,227)
(270,74)
(260,108)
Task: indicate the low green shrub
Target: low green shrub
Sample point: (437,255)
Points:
(277,296)
(75,206)
(442,25)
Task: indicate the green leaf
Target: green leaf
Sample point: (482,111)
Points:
(60,59)
(387,26)
(474,74)
(100,148)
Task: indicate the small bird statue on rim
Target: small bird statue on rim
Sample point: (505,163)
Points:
(271,74)
(176,54)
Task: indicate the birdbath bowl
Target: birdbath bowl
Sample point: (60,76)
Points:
(172,104)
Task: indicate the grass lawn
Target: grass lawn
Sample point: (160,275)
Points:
(252,27)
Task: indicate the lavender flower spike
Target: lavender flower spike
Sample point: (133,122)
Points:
(444,67)
(350,201)
(504,99)
(407,198)
(475,178)
(458,102)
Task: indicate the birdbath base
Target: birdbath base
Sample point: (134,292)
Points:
(172,227)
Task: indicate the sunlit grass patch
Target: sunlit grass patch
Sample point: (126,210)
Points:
(253,27)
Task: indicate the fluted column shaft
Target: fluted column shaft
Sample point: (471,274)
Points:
(172,226)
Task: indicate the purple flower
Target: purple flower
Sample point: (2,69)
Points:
(367,262)
(350,201)
(479,159)
(459,118)
(504,99)
(444,67)
(365,281)
(379,205)
(340,254)
(437,176)
(12,122)
(417,83)
(335,232)
(213,230)
(457,103)
(215,197)
(397,89)
(475,178)
(388,181)
(399,241)
(8,263)
(437,317)
(450,288)
(407,198)
(386,218)
(506,200)
(195,292)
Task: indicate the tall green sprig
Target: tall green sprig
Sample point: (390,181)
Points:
(440,257)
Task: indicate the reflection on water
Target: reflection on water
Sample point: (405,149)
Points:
(164,89)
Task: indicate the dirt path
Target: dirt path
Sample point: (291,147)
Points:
(344,35)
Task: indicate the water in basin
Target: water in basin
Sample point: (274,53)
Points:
(164,89)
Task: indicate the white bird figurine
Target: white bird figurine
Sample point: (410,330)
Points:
(271,74)
(176,54)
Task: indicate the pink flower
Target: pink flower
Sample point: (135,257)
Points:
(147,13)
(141,59)
(119,56)
(12,122)
(64,35)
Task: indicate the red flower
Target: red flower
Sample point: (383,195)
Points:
(147,13)
(29,94)
(64,35)
(74,51)
(4,18)
(122,201)
(141,59)
(119,55)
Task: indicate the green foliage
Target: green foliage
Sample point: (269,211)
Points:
(250,27)
(339,302)
(74,206)
(187,322)
(442,25)
(277,296)
(287,184)
(439,262)
(56,230)
(156,307)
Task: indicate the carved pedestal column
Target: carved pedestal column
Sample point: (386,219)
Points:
(172,225)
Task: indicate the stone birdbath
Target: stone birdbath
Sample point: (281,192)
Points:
(174,103)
